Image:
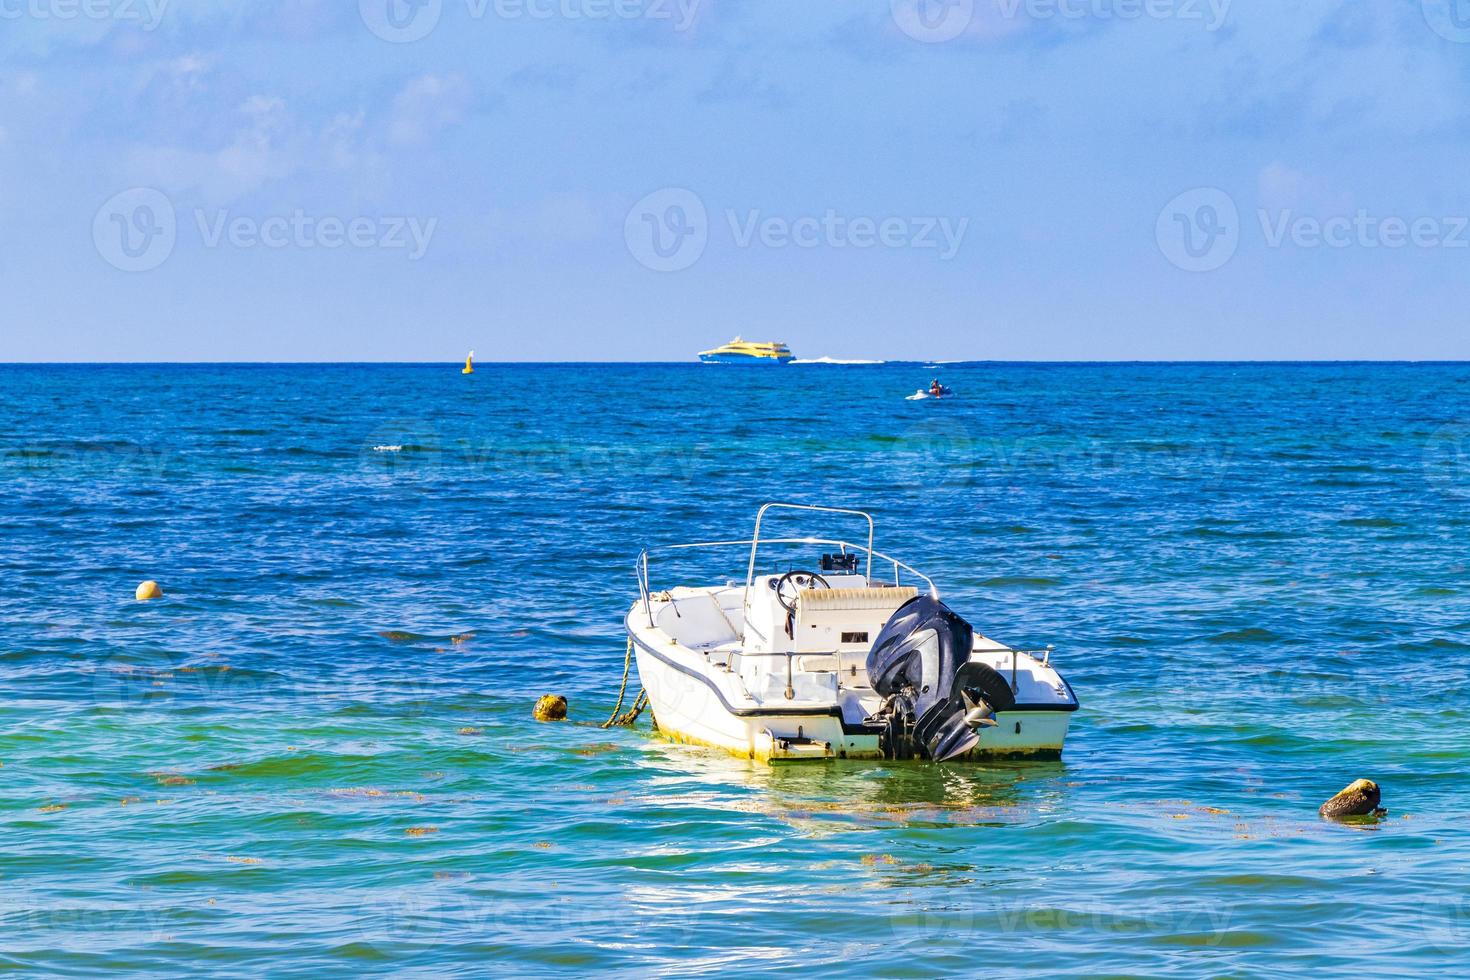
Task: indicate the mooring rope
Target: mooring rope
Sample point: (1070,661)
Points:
(639,703)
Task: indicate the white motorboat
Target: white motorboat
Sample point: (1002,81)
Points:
(835,663)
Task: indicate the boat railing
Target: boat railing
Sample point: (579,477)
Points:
(899,567)
(760,516)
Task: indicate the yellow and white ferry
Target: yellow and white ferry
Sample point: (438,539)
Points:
(740,351)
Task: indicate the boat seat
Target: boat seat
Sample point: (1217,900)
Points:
(695,619)
(847,620)
(888,597)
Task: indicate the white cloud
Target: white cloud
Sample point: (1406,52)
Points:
(189,68)
(264,139)
(426,105)
(269,145)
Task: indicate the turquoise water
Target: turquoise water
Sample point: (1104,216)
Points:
(315,755)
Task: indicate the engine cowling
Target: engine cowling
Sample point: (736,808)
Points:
(935,701)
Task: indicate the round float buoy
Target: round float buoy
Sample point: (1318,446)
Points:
(551,707)
(1359,799)
(149,590)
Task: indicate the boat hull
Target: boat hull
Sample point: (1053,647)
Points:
(743,359)
(690,707)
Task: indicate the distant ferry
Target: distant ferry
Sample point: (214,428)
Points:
(740,351)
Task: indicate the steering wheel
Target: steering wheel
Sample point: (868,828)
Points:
(796,580)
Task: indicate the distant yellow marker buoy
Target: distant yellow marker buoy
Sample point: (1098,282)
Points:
(149,590)
(469,364)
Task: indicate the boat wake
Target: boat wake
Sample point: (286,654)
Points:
(833,360)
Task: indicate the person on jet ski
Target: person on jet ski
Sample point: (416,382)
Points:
(935,388)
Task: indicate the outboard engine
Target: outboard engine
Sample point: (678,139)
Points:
(935,700)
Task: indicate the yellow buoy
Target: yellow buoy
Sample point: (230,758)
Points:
(469,364)
(1360,799)
(149,590)
(551,707)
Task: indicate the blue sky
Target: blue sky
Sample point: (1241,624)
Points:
(640,179)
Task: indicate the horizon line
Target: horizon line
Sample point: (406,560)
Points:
(941,362)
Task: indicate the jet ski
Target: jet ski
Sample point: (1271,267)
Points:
(944,392)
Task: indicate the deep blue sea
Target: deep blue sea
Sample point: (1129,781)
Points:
(316,755)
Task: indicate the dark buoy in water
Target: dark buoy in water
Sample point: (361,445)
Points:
(1359,799)
(551,707)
